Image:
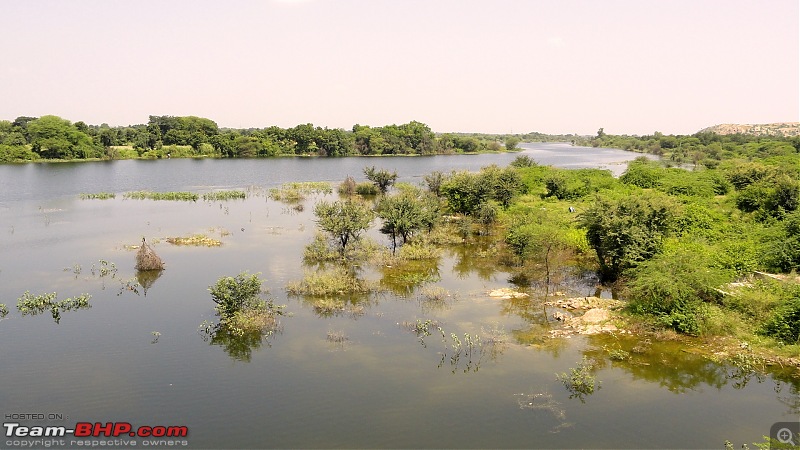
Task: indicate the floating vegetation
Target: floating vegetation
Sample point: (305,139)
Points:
(156,335)
(224,195)
(30,304)
(132,285)
(76,269)
(104,269)
(197,240)
(170,196)
(98,196)
(147,259)
(328,307)
(299,191)
(334,281)
(435,298)
(579,382)
(3,310)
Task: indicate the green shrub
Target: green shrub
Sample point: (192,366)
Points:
(366,188)
(335,281)
(784,324)
(232,294)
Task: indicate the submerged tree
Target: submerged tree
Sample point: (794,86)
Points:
(344,221)
(383,179)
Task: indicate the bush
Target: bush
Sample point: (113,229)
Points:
(233,294)
(784,324)
(366,188)
(336,281)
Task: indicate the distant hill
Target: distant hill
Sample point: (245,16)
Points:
(765,129)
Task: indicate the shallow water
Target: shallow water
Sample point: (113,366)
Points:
(381,387)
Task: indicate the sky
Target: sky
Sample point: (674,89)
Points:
(499,66)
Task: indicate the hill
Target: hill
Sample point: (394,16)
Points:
(766,129)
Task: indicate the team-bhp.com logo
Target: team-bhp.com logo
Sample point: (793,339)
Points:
(97,429)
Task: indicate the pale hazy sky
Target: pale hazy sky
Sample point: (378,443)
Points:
(555,66)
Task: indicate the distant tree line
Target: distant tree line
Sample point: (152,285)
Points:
(51,137)
(704,149)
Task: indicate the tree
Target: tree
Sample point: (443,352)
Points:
(54,137)
(343,220)
(402,215)
(383,179)
(627,231)
(511,143)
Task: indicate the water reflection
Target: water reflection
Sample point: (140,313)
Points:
(147,278)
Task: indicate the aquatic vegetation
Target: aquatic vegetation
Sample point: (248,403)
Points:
(169,196)
(337,337)
(197,240)
(98,196)
(299,191)
(580,382)
(240,307)
(3,310)
(156,335)
(30,304)
(104,269)
(224,195)
(335,281)
(365,188)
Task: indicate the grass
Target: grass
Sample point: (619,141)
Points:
(224,195)
(336,281)
(98,196)
(299,191)
(171,196)
(197,240)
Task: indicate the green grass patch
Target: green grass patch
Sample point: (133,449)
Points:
(170,196)
(224,195)
(335,281)
(98,196)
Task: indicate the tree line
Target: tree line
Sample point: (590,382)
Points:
(52,137)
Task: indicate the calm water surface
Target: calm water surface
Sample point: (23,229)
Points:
(380,388)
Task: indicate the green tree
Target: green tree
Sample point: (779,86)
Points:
(344,221)
(511,143)
(54,137)
(383,179)
(627,231)
(402,214)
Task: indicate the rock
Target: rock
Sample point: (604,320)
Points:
(506,293)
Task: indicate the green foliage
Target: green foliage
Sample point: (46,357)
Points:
(366,188)
(434,182)
(3,310)
(217,196)
(672,286)
(627,231)
(575,184)
(580,382)
(98,196)
(334,281)
(465,191)
(523,161)
(406,213)
(33,305)
(170,196)
(343,220)
(784,324)
(232,294)
(642,172)
(511,143)
(382,179)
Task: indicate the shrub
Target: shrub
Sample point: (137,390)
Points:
(334,281)
(784,324)
(348,187)
(232,294)
(366,188)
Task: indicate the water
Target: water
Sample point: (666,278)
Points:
(379,388)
